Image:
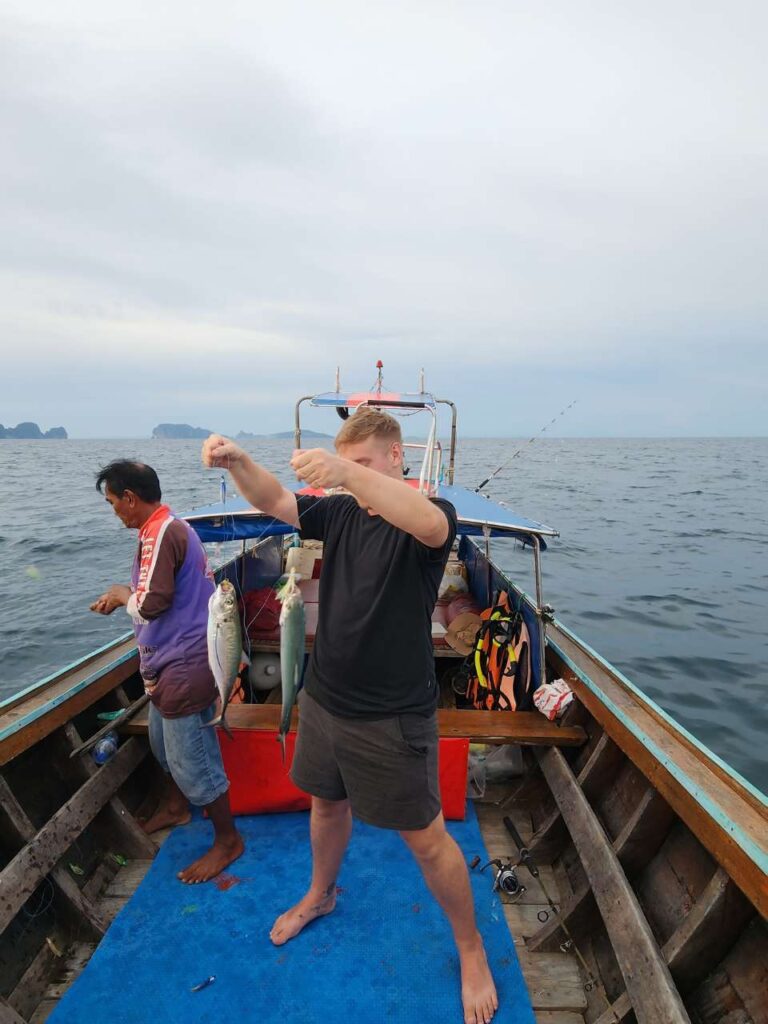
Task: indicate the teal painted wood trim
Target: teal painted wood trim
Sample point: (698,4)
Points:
(756,854)
(14,698)
(62,698)
(672,722)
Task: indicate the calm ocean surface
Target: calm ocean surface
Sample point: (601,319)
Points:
(662,562)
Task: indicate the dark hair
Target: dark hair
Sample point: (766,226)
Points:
(124,475)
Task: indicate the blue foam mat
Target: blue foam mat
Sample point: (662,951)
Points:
(385,954)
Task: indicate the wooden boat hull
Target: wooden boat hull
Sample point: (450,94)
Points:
(652,850)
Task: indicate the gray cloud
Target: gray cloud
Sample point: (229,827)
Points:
(237,201)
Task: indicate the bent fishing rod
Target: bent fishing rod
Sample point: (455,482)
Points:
(522,447)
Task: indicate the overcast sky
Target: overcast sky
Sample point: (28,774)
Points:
(207,207)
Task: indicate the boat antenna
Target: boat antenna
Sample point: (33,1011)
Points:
(530,441)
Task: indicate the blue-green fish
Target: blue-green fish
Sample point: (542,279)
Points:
(292,644)
(225,645)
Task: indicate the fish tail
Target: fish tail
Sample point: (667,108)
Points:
(221,720)
(225,725)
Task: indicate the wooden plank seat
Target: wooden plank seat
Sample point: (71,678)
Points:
(496,727)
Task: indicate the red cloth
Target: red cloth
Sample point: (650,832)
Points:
(261,610)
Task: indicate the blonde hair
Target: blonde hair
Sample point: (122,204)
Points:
(369,422)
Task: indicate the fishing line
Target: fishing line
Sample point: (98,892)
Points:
(244,636)
(45,895)
(275,519)
(231,518)
(520,449)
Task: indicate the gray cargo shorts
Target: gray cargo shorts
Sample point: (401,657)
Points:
(386,768)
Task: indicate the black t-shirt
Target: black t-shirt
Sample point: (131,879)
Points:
(373,654)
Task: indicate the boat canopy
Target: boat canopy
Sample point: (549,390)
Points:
(395,399)
(235,519)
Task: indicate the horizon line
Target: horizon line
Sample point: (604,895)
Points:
(464,437)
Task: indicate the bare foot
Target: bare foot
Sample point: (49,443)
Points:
(289,924)
(212,863)
(478,992)
(165,817)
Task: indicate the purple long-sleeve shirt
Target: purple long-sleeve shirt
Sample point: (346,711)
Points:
(172,584)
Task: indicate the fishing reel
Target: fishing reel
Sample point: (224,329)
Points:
(506,879)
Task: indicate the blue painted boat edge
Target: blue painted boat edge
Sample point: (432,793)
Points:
(755,853)
(650,703)
(62,698)
(47,680)
(236,519)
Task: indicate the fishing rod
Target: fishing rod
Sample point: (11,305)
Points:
(530,441)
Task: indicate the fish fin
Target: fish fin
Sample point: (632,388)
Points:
(281,739)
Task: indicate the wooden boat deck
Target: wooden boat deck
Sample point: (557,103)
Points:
(554,981)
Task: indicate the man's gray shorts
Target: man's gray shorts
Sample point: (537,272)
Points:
(387,768)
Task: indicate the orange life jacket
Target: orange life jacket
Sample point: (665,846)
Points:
(501,660)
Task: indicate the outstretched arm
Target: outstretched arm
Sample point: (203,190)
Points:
(392,499)
(256,484)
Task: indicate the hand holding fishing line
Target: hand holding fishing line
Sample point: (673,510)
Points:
(319,468)
(219,451)
(114,598)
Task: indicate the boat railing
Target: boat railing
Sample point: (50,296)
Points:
(431,463)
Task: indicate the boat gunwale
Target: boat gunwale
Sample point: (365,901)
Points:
(739,786)
(21,696)
(723,817)
(40,711)
(751,794)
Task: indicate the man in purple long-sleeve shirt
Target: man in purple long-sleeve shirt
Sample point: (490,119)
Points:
(168,604)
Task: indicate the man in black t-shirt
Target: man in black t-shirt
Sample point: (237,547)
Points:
(367,740)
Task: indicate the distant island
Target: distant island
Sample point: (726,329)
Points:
(183,431)
(31,432)
(180,431)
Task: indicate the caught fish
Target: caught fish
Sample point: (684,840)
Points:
(225,645)
(292,644)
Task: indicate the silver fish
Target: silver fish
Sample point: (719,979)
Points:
(225,645)
(292,644)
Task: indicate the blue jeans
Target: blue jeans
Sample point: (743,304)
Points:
(190,752)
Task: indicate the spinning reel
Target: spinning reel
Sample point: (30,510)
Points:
(506,879)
